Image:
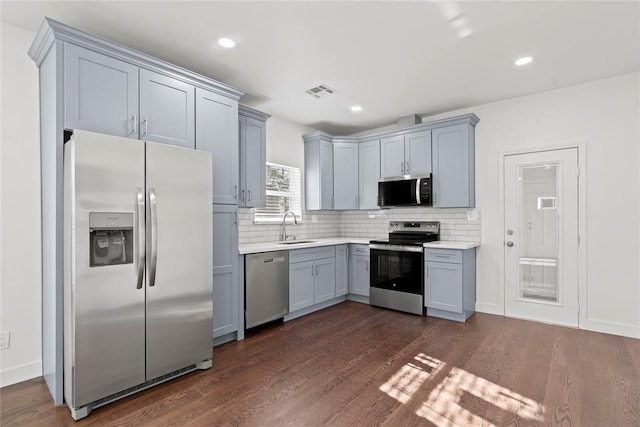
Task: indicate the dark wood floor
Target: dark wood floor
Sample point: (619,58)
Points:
(353,364)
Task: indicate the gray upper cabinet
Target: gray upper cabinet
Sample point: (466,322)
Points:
(417,153)
(392,156)
(318,172)
(167,111)
(105,95)
(217,133)
(253,157)
(454,166)
(407,154)
(368,174)
(443,148)
(101,93)
(345,175)
(225,270)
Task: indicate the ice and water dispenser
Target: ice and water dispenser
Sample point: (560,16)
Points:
(111,238)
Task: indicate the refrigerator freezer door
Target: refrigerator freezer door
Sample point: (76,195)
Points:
(180,257)
(104,308)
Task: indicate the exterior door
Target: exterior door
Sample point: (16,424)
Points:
(541,236)
(179,258)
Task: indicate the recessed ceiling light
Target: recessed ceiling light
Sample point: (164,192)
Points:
(226,42)
(523,61)
(356,108)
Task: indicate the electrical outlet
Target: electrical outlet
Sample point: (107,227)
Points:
(4,340)
(473,215)
(314,219)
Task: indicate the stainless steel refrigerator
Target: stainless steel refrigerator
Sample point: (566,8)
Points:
(138,266)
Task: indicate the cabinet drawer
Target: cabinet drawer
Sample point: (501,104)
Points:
(301,255)
(359,249)
(443,255)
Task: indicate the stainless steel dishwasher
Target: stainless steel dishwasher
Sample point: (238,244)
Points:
(266,292)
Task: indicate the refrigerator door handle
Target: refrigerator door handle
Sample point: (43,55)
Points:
(141,242)
(153,213)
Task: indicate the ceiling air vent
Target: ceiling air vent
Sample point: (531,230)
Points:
(321,91)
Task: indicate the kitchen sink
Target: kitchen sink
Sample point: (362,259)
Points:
(293,242)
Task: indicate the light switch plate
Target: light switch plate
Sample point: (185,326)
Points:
(473,215)
(314,219)
(4,340)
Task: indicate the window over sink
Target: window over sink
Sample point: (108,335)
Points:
(284,193)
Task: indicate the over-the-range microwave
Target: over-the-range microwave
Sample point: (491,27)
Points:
(405,191)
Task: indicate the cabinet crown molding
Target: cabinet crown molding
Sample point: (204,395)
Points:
(52,30)
(247,111)
(470,119)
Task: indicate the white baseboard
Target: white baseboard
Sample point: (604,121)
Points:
(613,328)
(489,308)
(20,373)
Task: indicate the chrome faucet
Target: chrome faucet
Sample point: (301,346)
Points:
(284,236)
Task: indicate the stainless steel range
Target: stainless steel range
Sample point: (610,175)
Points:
(397,266)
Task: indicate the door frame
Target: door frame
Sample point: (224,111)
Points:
(581,146)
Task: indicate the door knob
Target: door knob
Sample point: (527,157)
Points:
(510,244)
(509,232)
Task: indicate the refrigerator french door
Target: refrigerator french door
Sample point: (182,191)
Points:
(138,266)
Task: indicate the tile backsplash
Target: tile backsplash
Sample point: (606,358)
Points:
(454,225)
(328,225)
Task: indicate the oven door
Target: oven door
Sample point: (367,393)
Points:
(397,268)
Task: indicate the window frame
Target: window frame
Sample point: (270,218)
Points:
(265,218)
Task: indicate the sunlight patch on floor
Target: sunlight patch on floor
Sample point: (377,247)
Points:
(410,377)
(443,407)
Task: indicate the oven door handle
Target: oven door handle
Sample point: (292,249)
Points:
(397,248)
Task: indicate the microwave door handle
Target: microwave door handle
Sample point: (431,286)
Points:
(418,191)
(141,232)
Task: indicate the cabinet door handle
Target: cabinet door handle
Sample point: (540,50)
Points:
(249,196)
(401,168)
(242,196)
(407,167)
(235,218)
(146,126)
(134,126)
(235,192)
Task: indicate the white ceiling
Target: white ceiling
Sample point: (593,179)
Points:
(394,58)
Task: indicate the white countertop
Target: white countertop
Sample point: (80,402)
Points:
(312,243)
(442,244)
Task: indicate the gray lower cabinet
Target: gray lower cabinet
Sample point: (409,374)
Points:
(342,270)
(253,157)
(318,172)
(359,277)
(217,133)
(225,270)
(454,166)
(167,111)
(106,95)
(368,174)
(312,276)
(100,92)
(450,283)
(345,175)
